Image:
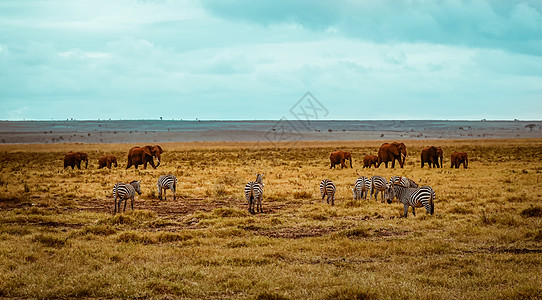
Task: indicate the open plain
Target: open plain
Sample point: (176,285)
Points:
(60,239)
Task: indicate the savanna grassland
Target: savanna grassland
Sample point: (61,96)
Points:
(59,238)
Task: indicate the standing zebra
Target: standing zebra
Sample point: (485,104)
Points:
(123,191)
(415,197)
(361,187)
(327,188)
(167,182)
(254,193)
(378,184)
(401,180)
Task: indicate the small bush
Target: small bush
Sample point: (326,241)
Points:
(533,211)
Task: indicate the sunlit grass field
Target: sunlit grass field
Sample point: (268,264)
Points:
(59,238)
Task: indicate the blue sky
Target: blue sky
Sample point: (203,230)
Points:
(240,59)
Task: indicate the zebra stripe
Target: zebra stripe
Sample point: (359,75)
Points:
(378,184)
(166,182)
(327,188)
(361,187)
(401,180)
(254,193)
(123,191)
(415,197)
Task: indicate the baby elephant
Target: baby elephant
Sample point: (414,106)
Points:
(107,161)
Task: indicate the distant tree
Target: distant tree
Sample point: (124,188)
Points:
(530,126)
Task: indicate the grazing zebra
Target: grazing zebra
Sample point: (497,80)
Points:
(361,187)
(167,182)
(378,184)
(401,180)
(415,197)
(327,188)
(254,193)
(123,191)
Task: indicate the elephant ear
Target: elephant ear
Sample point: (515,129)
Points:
(394,150)
(147,150)
(159,148)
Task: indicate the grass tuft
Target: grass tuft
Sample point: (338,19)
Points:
(356,232)
(49,240)
(302,195)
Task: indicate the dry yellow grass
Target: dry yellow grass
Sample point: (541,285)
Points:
(58,237)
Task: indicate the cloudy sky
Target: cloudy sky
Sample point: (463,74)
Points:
(241,59)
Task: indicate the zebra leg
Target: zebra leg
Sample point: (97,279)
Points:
(406,210)
(115,203)
(333,199)
(260,204)
(125,202)
(132,202)
(413,211)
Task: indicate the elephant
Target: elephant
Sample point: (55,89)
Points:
(459,158)
(143,155)
(73,159)
(431,155)
(107,161)
(370,160)
(338,157)
(440,155)
(391,152)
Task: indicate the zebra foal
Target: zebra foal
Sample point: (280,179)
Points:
(254,193)
(166,182)
(327,188)
(123,191)
(415,197)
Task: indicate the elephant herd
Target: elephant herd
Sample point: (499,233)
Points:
(136,156)
(391,152)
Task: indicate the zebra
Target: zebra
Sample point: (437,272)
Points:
(378,184)
(167,182)
(123,191)
(254,193)
(415,197)
(327,188)
(401,180)
(361,187)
